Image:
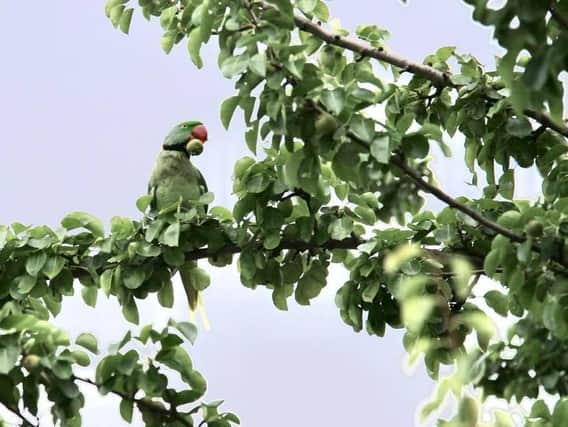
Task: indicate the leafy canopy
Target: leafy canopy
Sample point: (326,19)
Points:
(341,179)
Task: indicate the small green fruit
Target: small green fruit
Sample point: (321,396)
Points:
(535,228)
(325,124)
(31,361)
(221,260)
(328,56)
(194,147)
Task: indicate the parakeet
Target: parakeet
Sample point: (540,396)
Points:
(176,179)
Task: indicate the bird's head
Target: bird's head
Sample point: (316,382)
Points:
(187,137)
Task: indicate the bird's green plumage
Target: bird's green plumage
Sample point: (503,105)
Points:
(175,178)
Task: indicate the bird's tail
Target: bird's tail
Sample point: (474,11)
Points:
(194,297)
(200,309)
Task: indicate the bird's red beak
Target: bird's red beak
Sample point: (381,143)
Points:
(199,132)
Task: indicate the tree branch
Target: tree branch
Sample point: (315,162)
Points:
(545,120)
(561,19)
(438,78)
(298,245)
(450,201)
(148,404)
(14,410)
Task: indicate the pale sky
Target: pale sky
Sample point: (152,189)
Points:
(84,110)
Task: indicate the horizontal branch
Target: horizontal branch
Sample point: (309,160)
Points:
(438,78)
(450,201)
(547,121)
(298,245)
(147,404)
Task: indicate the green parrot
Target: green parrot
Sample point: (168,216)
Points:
(176,179)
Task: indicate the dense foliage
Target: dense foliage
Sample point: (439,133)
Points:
(339,172)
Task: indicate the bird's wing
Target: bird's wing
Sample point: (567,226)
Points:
(202,186)
(201,182)
(152,192)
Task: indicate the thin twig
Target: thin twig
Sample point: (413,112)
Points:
(14,410)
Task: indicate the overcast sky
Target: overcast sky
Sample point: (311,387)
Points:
(84,110)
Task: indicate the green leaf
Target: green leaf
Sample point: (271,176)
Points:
(83,220)
(133,277)
(491,262)
(194,42)
(53,266)
(197,382)
(130,311)
(26,283)
(416,311)
(280,295)
(35,263)
(498,302)
(174,256)
(251,138)
(416,145)
(166,295)
(195,277)
(227,110)
(321,11)
(170,236)
(257,64)
(272,240)
(367,215)
(560,414)
(462,273)
(106,281)
(234,65)
(380,149)
(81,357)
(115,14)
(519,127)
(399,256)
(468,411)
(125,19)
(334,100)
(189,330)
(126,408)
(370,291)
(311,283)
(8,358)
(167,41)
(88,341)
(507,184)
(371,33)
(143,202)
(167,17)
(176,358)
(89,295)
(538,70)
(341,228)
(257,183)
(363,129)
(444,53)
(206,20)
(483,326)
(307,6)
